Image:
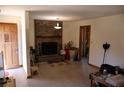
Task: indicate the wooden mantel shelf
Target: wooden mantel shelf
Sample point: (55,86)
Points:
(48,36)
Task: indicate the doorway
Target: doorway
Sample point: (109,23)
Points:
(84,42)
(9,44)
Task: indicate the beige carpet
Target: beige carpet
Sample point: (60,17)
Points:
(63,74)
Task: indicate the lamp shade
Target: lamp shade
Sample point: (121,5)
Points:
(57,26)
(106,45)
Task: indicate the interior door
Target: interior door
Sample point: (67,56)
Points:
(84,41)
(88,41)
(14,45)
(81,42)
(9,45)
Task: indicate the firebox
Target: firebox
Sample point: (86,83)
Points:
(49,48)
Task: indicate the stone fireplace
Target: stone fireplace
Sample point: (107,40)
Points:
(48,40)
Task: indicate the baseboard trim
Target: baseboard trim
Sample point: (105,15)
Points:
(15,67)
(94,66)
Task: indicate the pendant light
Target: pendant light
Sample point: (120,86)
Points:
(57,25)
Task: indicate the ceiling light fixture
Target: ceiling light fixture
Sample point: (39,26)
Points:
(57,25)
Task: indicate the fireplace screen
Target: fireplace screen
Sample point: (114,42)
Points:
(49,48)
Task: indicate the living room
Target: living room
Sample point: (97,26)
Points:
(106,26)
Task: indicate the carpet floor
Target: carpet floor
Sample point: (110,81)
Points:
(63,74)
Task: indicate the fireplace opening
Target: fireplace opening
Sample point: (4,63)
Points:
(49,48)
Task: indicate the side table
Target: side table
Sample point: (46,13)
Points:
(99,79)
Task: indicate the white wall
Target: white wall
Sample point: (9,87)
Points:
(27,42)
(105,29)
(31,32)
(70,33)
